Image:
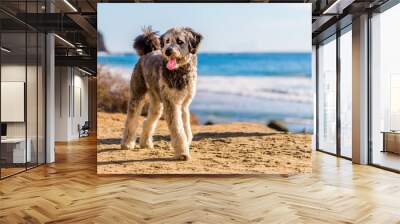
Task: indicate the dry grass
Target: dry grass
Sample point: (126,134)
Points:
(112,91)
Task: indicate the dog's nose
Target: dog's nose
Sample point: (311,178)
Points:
(168,52)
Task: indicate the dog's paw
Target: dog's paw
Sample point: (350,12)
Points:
(190,138)
(183,157)
(128,146)
(146,144)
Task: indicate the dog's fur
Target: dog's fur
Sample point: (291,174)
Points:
(171,90)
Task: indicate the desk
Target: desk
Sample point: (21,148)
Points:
(13,150)
(391,141)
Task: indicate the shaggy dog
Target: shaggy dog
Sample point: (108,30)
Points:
(167,73)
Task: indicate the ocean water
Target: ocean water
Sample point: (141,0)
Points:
(256,87)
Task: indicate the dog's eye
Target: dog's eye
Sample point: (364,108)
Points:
(167,41)
(179,42)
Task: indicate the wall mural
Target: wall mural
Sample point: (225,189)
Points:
(197,89)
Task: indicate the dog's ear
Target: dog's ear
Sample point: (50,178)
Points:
(194,40)
(162,41)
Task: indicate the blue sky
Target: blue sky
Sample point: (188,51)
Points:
(227,27)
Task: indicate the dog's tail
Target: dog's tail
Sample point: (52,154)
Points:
(146,42)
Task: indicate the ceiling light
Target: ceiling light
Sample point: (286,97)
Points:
(70,5)
(5,50)
(84,71)
(65,41)
(79,51)
(338,6)
(328,10)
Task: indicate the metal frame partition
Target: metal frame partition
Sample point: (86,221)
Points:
(369,55)
(338,75)
(382,8)
(35,72)
(339,32)
(318,78)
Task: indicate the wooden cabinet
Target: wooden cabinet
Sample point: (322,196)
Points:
(391,142)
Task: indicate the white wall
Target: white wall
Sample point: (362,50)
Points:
(70,84)
(33,125)
(80,111)
(62,81)
(16,73)
(12,73)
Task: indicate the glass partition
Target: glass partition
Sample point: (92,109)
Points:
(41,97)
(35,88)
(22,88)
(13,94)
(327,96)
(31,97)
(346,94)
(385,89)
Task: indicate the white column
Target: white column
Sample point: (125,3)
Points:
(360,90)
(50,99)
(63,102)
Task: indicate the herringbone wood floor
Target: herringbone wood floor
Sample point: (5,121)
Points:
(69,191)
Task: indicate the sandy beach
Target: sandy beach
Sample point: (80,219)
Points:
(228,148)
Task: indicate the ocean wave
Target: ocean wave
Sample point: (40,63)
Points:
(286,88)
(117,71)
(234,64)
(294,89)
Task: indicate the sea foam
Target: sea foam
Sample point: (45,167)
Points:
(287,88)
(295,89)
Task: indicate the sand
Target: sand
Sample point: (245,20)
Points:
(231,148)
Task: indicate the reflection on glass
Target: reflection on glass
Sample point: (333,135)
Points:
(394,102)
(385,95)
(13,85)
(327,96)
(22,90)
(32,85)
